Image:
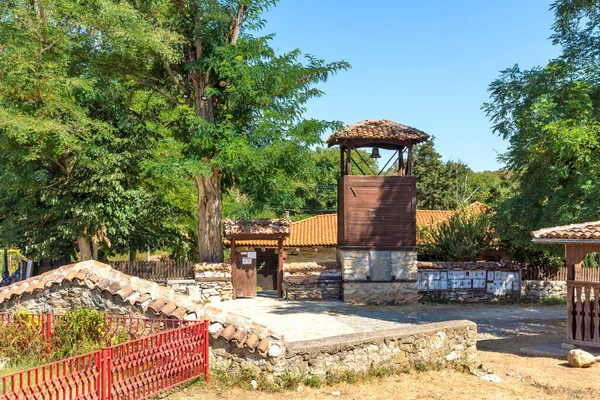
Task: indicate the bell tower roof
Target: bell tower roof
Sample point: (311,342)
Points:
(377,132)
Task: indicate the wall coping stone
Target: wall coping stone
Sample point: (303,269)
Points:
(336,344)
(468,265)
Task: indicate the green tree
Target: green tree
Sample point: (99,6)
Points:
(550,117)
(453,184)
(69,166)
(228,107)
(462,237)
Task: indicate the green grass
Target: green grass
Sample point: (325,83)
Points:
(553,300)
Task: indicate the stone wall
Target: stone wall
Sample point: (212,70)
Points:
(60,299)
(378,277)
(437,343)
(312,281)
(212,283)
(534,291)
(469,281)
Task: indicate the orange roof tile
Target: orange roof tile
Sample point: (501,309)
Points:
(321,230)
(580,232)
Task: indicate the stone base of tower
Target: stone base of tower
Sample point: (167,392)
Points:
(378,276)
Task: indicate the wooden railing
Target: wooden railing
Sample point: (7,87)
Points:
(157,271)
(559,274)
(583,313)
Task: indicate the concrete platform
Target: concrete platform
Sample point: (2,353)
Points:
(304,320)
(557,350)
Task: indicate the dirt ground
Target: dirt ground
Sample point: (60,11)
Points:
(522,377)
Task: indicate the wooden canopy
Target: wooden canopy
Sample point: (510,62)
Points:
(257,229)
(583,297)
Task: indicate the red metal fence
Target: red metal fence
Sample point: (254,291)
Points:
(162,354)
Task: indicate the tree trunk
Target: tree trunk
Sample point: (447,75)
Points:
(5,261)
(210,238)
(132,255)
(85,250)
(95,249)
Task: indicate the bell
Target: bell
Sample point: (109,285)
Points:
(375,153)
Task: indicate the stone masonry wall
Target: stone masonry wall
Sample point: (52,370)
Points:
(445,343)
(312,281)
(378,277)
(534,291)
(469,281)
(212,283)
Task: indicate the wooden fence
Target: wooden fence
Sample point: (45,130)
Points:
(559,274)
(157,271)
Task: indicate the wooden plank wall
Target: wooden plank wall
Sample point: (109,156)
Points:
(157,271)
(377,211)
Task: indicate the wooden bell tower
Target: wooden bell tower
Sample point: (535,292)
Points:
(379,210)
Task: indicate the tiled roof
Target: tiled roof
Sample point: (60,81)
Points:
(378,130)
(468,265)
(583,232)
(321,230)
(428,217)
(280,227)
(149,297)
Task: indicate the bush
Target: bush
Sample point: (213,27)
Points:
(462,237)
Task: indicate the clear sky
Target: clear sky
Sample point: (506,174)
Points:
(425,63)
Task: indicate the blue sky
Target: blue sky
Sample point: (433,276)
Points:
(426,64)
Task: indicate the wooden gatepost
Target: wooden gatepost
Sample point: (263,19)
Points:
(243,263)
(583,295)
(377,246)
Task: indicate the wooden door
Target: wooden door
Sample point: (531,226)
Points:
(244,274)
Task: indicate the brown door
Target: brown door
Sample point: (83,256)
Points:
(244,274)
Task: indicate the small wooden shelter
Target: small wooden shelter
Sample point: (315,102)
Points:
(243,264)
(377,210)
(583,297)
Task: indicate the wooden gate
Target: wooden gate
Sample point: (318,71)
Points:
(244,274)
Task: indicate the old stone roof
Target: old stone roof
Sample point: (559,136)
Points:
(259,227)
(575,232)
(322,230)
(378,130)
(468,265)
(150,298)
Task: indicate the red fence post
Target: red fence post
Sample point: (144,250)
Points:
(48,329)
(206,350)
(105,374)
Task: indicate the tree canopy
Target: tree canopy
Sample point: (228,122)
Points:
(115,111)
(550,117)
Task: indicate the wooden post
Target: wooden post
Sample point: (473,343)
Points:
(342,149)
(409,161)
(233,259)
(400,162)
(280,267)
(348,160)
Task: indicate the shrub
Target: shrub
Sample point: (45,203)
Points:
(462,237)
(79,332)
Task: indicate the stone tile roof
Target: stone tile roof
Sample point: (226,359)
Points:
(378,130)
(276,227)
(468,265)
(150,297)
(322,230)
(583,232)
